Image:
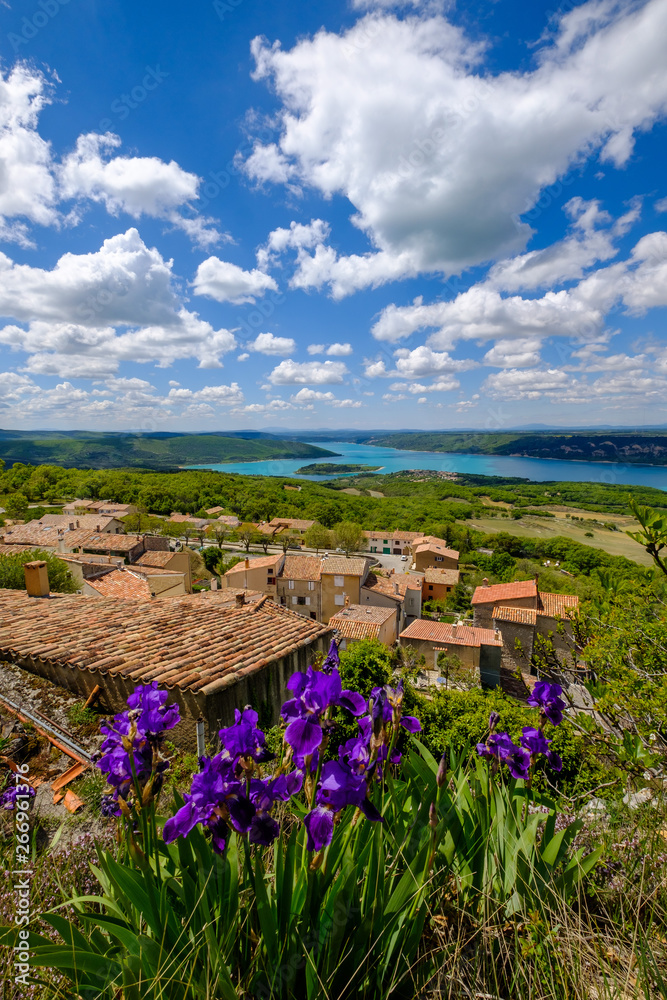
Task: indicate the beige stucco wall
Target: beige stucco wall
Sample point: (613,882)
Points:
(312,598)
(468,655)
(433,560)
(351,588)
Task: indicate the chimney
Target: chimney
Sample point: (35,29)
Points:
(485,582)
(36,578)
(240,600)
(455,627)
(77,524)
(71,526)
(214,584)
(397,589)
(537,579)
(61,544)
(496,634)
(247,564)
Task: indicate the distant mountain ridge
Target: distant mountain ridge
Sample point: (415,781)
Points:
(154,450)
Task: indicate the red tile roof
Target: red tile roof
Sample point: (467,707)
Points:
(295,523)
(357,621)
(461,635)
(87,522)
(344,566)
(434,545)
(155,558)
(517,590)
(121,583)
(517,616)
(552,605)
(448,577)
(189,643)
(400,536)
(265,562)
(301,568)
(385,585)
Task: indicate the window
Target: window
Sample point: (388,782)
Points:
(430,586)
(339,581)
(295,600)
(308,601)
(339,599)
(438,558)
(291,584)
(271,581)
(311,586)
(313,615)
(385,541)
(301,600)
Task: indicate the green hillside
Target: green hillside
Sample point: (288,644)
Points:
(637,448)
(148,451)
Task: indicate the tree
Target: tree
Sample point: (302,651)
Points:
(451,668)
(12,576)
(288,538)
(219,532)
(16,506)
(318,537)
(653,535)
(348,536)
(248,536)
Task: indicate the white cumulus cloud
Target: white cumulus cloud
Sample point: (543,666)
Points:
(308,373)
(227,282)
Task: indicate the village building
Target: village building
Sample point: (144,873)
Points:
(479,649)
(134,583)
(356,622)
(342,577)
(212,659)
(390,542)
(255,574)
(522,612)
(166,560)
(299,585)
(105,507)
(228,520)
(399,591)
(438,583)
(429,552)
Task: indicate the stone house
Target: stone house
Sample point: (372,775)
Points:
(521,611)
(480,649)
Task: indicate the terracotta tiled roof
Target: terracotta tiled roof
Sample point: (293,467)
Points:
(231,520)
(12,550)
(268,529)
(434,545)
(105,542)
(265,562)
(343,566)
(301,568)
(214,510)
(505,592)
(121,583)
(155,559)
(448,577)
(360,622)
(556,604)
(517,616)
(461,635)
(385,585)
(193,645)
(155,571)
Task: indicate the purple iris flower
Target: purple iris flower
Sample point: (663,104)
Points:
(547,698)
(387,705)
(9,797)
(314,693)
(244,739)
(518,762)
(263,794)
(339,787)
(498,745)
(332,661)
(155,716)
(215,795)
(534,740)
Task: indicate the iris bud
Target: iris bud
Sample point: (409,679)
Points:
(441,776)
(432,816)
(494,719)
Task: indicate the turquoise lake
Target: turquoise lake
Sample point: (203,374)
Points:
(392,460)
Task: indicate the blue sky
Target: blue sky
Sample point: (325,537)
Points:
(249,214)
